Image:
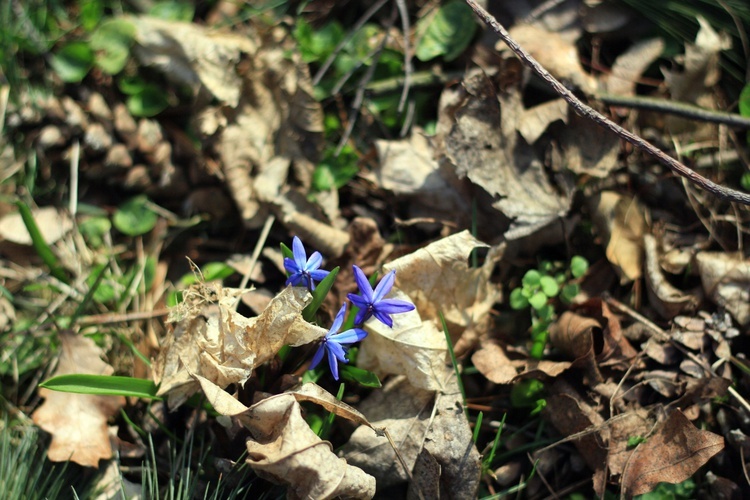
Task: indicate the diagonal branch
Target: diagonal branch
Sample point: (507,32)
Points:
(600,119)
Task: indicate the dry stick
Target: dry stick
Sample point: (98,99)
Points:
(601,120)
(404,13)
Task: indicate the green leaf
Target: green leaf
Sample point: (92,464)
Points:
(93,230)
(73,61)
(744,103)
(569,292)
(102,385)
(532,278)
(316,45)
(172,10)
(447,33)
(91,13)
(538,300)
(578,266)
(97,280)
(546,313)
(287,252)
(517,300)
(150,101)
(549,286)
(211,272)
(745,181)
(335,171)
(134,218)
(319,295)
(360,376)
(112,40)
(40,246)
(131,85)
(525,393)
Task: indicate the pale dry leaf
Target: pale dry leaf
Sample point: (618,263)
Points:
(673,453)
(437,278)
(534,121)
(556,53)
(621,222)
(193,55)
(726,281)
(413,348)
(52,222)
(409,169)
(589,149)
(209,338)
(477,130)
(284,449)
(78,422)
(630,65)
(667,300)
(492,362)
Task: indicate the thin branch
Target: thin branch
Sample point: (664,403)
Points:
(676,108)
(408,69)
(601,120)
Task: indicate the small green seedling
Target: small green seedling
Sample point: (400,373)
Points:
(538,288)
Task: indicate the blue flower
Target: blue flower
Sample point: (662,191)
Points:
(372,303)
(302,269)
(332,343)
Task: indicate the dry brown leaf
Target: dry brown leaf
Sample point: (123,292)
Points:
(621,222)
(573,334)
(78,422)
(492,362)
(556,53)
(283,449)
(477,133)
(630,65)
(667,300)
(52,222)
(589,149)
(437,278)
(675,451)
(726,281)
(405,411)
(535,121)
(209,338)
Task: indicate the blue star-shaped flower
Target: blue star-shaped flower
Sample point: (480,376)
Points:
(373,303)
(302,269)
(332,343)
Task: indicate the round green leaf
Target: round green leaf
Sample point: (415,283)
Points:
(578,266)
(745,181)
(531,278)
(134,217)
(73,61)
(517,300)
(112,41)
(538,300)
(447,33)
(744,103)
(172,10)
(149,102)
(131,85)
(569,292)
(546,313)
(549,286)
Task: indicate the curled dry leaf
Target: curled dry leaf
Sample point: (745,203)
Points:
(478,136)
(437,279)
(405,411)
(726,281)
(621,222)
(78,422)
(413,348)
(667,300)
(494,364)
(673,453)
(284,449)
(209,338)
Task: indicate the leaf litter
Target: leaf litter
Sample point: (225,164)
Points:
(627,404)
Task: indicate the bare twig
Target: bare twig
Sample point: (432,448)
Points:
(601,120)
(404,13)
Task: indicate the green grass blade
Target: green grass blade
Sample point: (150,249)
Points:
(89,295)
(477,427)
(319,295)
(102,385)
(42,248)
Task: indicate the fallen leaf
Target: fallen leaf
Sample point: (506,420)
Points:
(78,422)
(209,338)
(726,281)
(630,65)
(589,149)
(535,120)
(52,223)
(477,133)
(667,300)
(673,453)
(621,222)
(492,362)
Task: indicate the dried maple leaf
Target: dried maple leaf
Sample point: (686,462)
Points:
(78,422)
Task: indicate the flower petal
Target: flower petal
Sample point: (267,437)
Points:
(298,249)
(349,336)
(362,316)
(337,321)
(314,261)
(384,318)
(393,306)
(337,351)
(290,265)
(319,275)
(294,279)
(333,365)
(318,356)
(384,287)
(364,286)
(358,300)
